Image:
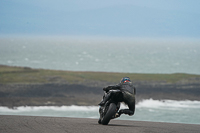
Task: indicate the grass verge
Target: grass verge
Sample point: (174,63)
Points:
(26,75)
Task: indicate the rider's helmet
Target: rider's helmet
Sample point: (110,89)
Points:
(125,80)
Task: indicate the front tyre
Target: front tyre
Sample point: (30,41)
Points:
(110,112)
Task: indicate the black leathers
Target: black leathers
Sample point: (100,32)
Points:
(128,95)
(123,87)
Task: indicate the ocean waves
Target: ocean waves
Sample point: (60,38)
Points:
(87,55)
(146,110)
(147,103)
(168,104)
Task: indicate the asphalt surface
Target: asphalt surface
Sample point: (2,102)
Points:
(36,124)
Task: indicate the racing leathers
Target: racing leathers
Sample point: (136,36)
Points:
(128,96)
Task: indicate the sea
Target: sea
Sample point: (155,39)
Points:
(171,111)
(102,54)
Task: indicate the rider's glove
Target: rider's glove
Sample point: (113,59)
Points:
(104,88)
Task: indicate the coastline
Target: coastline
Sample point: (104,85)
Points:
(13,95)
(22,86)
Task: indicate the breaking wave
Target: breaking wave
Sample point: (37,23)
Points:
(150,103)
(147,103)
(53,108)
(147,110)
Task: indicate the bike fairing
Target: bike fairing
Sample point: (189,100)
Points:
(123,92)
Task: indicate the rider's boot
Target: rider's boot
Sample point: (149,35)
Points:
(105,99)
(126,111)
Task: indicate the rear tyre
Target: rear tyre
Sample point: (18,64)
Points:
(111,112)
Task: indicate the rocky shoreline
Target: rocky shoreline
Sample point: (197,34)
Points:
(90,93)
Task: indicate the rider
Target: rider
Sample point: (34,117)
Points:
(128,95)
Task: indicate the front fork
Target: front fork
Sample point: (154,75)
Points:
(102,109)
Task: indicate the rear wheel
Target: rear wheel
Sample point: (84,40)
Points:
(110,112)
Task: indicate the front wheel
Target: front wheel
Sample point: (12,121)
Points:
(110,112)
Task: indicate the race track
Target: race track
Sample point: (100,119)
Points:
(37,124)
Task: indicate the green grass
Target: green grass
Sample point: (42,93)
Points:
(26,75)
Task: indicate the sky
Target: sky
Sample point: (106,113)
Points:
(115,18)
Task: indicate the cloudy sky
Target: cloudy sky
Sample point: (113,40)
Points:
(130,18)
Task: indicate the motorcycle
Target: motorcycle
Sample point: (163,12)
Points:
(110,109)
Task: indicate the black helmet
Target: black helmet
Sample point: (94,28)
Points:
(125,79)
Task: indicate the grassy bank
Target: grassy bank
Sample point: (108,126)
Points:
(25,75)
